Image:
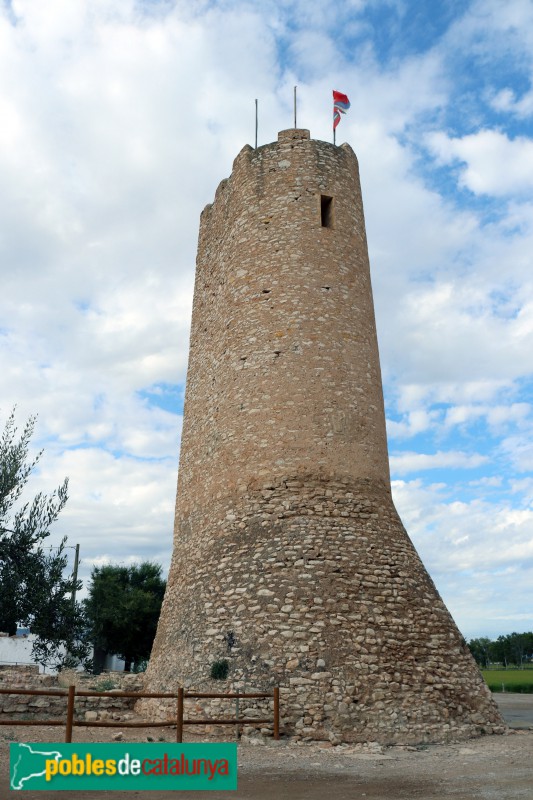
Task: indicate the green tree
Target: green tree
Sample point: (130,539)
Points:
(519,646)
(122,610)
(34,591)
(502,653)
(481,649)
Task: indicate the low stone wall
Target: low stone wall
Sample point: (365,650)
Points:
(42,707)
(121,709)
(200,709)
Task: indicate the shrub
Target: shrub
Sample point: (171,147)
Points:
(219,670)
(105,685)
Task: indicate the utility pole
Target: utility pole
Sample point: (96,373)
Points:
(75,572)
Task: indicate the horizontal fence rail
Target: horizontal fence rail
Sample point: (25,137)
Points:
(178,697)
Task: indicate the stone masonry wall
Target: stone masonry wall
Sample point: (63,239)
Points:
(335,607)
(290,560)
(13,706)
(283,365)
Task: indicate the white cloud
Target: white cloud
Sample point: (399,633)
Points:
(494,481)
(416,462)
(519,450)
(491,30)
(119,508)
(416,421)
(524,488)
(480,554)
(118,121)
(498,416)
(507,100)
(494,164)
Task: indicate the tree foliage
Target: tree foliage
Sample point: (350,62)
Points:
(123,608)
(34,591)
(513,648)
(481,650)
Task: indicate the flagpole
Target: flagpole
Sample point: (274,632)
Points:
(256,125)
(333,117)
(295,107)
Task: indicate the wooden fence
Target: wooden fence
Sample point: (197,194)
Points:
(178,722)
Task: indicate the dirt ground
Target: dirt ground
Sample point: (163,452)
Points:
(489,768)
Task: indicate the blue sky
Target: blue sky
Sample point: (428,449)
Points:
(120,118)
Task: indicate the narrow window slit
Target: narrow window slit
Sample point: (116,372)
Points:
(326,211)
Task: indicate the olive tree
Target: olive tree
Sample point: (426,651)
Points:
(35,591)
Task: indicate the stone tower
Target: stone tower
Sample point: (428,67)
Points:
(290,560)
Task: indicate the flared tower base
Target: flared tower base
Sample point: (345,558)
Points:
(313,585)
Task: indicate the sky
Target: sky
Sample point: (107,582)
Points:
(118,119)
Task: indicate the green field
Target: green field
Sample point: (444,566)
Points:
(509,680)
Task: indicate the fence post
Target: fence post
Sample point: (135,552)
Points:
(276,712)
(70,713)
(179,726)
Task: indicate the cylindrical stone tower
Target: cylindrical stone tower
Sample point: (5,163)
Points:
(290,561)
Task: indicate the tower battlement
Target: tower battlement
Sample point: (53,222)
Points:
(290,560)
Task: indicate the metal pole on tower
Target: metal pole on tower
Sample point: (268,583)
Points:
(256,124)
(295,107)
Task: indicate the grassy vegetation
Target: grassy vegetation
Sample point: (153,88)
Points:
(509,680)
